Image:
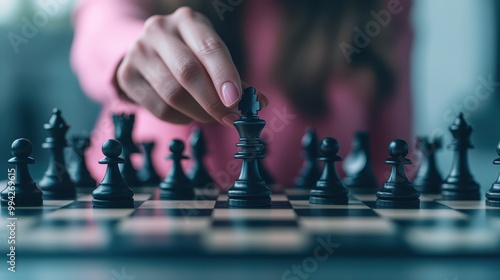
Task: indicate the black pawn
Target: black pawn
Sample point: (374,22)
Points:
(26,191)
(148,174)
(310,172)
(249,190)
(199,175)
(264,172)
(360,177)
(176,184)
(397,191)
(80,173)
(113,191)
(329,188)
(124,125)
(460,185)
(493,194)
(428,180)
(56,183)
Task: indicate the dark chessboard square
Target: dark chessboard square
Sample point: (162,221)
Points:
(25,212)
(298,197)
(173,213)
(223,204)
(250,223)
(479,213)
(319,212)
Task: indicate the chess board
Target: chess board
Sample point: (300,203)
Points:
(206,226)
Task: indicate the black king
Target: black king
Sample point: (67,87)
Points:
(249,190)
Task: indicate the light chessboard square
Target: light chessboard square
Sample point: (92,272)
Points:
(178,204)
(236,241)
(163,225)
(350,226)
(420,214)
(89,213)
(304,204)
(464,204)
(256,214)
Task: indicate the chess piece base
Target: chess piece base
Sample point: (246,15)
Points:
(104,203)
(403,204)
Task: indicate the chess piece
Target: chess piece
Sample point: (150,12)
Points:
(56,183)
(249,190)
(113,191)
(199,175)
(264,172)
(493,194)
(428,180)
(397,191)
(25,190)
(80,173)
(124,125)
(176,184)
(310,172)
(460,185)
(329,188)
(358,168)
(147,174)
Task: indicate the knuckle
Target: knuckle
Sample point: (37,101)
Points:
(173,94)
(125,74)
(213,106)
(188,69)
(210,45)
(154,22)
(184,12)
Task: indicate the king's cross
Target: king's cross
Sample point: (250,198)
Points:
(249,105)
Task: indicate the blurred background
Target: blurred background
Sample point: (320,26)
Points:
(455,51)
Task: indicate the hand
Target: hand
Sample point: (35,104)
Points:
(181,70)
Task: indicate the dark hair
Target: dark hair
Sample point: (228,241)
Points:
(315,30)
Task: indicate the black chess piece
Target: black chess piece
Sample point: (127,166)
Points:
(493,194)
(310,172)
(56,183)
(264,172)
(428,180)
(113,191)
(398,191)
(199,175)
(176,184)
(147,174)
(80,173)
(329,188)
(460,185)
(249,190)
(124,125)
(23,189)
(360,177)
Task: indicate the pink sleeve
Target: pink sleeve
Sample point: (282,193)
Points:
(104,30)
(394,119)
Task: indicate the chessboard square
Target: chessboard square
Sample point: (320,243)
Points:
(463,204)
(68,239)
(229,240)
(255,214)
(89,213)
(422,205)
(56,203)
(279,197)
(419,214)
(348,226)
(444,240)
(253,224)
(172,212)
(159,225)
(304,204)
(178,204)
(223,204)
(346,212)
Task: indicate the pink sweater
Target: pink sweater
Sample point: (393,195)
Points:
(105,29)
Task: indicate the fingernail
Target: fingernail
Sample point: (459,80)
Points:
(229,118)
(230,94)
